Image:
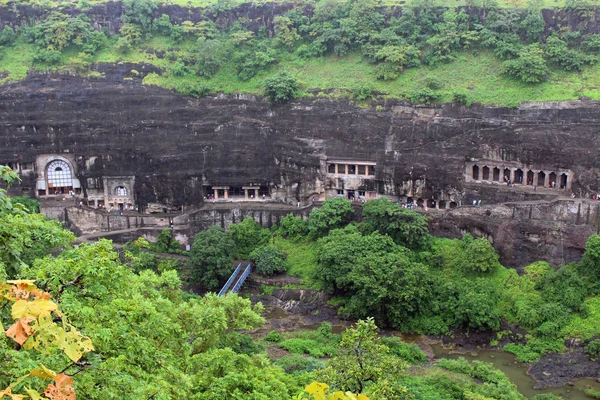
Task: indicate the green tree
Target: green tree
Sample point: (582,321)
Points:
(407,228)
(32,205)
(334,213)
(281,87)
(293,228)
(364,365)
(590,263)
(165,242)
(268,260)
(529,67)
(212,256)
(247,236)
(8,36)
(212,54)
(478,256)
(477,306)
(139,12)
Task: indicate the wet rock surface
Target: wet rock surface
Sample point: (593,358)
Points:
(554,370)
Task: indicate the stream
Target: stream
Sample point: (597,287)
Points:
(517,373)
(505,362)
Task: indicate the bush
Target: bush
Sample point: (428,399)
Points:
(363,93)
(529,67)
(179,69)
(281,87)
(334,213)
(165,242)
(408,352)
(32,205)
(247,236)
(479,256)
(297,364)
(268,260)
(292,227)
(50,57)
(462,98)
(593,348)
(8,36)
(424,96)
(274,336)
(123,45)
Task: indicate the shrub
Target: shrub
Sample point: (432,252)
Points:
(32,205)
(268,260)
(334,213)
(179,68)
(593,348)
(529,66)
(274,336)
(363,93)
(8,36)
(293,227)
(462,98)
(247,236)
(408,352)
(297,364)
(281,87)
(424,96)
(50,57)
(123,45)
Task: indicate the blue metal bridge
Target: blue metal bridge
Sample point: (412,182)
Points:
(236,280)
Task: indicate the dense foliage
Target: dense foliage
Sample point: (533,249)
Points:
(218,53)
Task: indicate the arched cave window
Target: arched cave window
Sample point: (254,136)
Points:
(476,172)
(496,174)
(519,176)
(58,175)
(486,173)
(541,178)
(506,174)
(552,179)
(563,181)
(530,177)
(121,191)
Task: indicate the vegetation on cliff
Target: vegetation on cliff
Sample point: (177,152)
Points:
(423,52)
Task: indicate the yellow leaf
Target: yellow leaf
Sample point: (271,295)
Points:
(362,397)
(74,344)
(13,396)
(33,394)
(35,308)
(316,387)
(43,373)
(21,281)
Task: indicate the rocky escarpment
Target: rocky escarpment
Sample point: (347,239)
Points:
(175,145)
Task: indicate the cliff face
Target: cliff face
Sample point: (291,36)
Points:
(173,145)
(176,147)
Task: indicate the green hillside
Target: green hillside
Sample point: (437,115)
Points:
(426,52)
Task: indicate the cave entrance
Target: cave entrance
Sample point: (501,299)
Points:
(443,204)
(519,176)
(476,172)
(420,202)
(496,176)
(351,194)
(552,179)
(486,173)
(541,178)
(506,174)
(530,177)
(563,181)
(453,204)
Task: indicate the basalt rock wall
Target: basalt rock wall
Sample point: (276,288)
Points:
(174,145)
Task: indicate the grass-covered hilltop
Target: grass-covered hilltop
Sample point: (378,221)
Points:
(426,51)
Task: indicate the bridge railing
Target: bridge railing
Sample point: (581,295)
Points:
(242,279)
(230,280)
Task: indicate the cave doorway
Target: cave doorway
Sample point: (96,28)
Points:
(443,205)
(541,178)
(496,177)
(486,173)
(519,176)
(476,172)
(563,181)
(453,204)
(420,202)
(530,177)
(351,194)
(552,179)
(506,175)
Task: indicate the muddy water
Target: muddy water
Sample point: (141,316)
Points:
(517,373)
